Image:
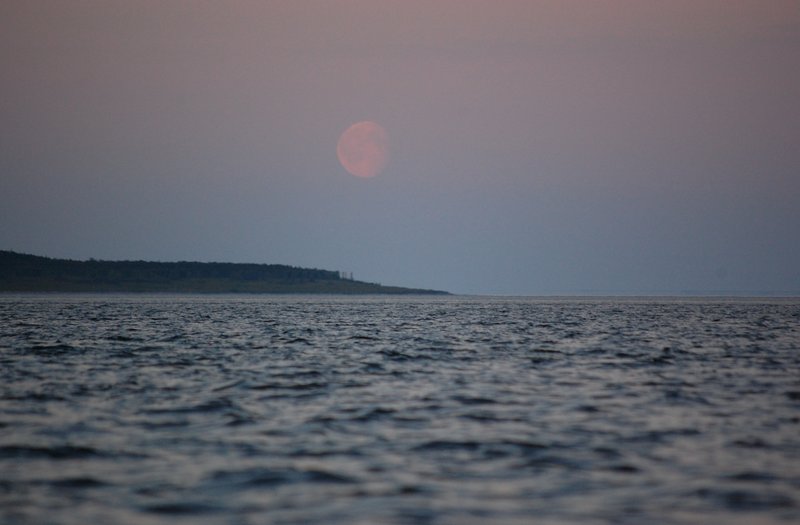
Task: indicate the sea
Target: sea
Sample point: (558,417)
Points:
(264,409)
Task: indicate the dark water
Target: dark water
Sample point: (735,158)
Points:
(248,409)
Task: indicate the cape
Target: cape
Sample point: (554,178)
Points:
(31,273)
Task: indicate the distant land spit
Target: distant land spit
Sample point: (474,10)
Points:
(32,273)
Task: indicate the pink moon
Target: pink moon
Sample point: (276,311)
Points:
(363,149)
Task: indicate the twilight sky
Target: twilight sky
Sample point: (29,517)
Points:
(537,147)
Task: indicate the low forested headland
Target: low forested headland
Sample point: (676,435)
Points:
(31,273)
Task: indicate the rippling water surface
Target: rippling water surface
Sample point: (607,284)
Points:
(263,409)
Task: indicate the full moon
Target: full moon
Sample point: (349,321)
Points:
(363,149)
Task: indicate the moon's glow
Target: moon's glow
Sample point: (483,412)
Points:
(363,149)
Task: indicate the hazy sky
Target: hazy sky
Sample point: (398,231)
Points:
(562,146)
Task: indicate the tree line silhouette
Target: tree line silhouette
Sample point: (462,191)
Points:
(23,272)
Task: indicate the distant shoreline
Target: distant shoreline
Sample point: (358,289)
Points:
(32,273)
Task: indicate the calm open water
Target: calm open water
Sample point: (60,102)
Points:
(445,410)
